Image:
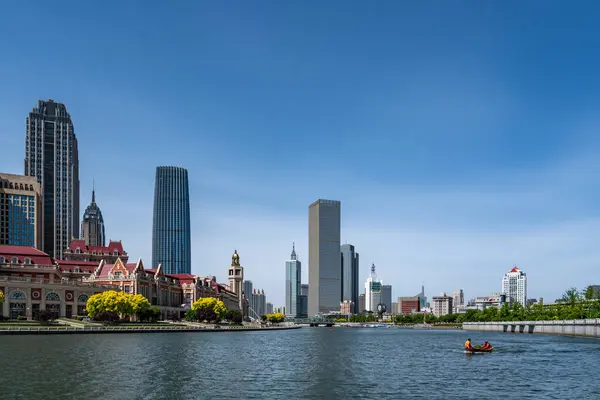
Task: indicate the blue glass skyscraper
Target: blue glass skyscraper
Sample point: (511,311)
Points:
(171,224)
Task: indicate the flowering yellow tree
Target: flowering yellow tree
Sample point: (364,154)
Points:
(275,318)
(117,302)
(1,297)
(209,309)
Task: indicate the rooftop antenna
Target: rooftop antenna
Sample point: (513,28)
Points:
(93,190)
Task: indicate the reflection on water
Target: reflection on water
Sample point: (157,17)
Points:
(310,363)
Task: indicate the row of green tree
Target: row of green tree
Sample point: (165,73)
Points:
(574,304)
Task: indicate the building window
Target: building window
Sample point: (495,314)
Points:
(127,289)
(15,260)
(28,260)
(117,274)
(52,297)
(82,298)
(16,295)
(2,260)
(116,253)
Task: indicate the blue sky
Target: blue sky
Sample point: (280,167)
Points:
(461,137)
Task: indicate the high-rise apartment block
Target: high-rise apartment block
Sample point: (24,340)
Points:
(350,276)
(20,211)
(514,286)
(442,305)
(171,237)
(293,274)
(92,225)
(51,156)
(324,272)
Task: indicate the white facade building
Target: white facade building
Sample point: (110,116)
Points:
(442,305)
(514,286)
(372,291)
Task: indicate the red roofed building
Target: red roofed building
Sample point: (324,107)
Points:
(79,251)
(32,281)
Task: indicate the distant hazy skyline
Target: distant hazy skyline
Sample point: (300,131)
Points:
(461,138)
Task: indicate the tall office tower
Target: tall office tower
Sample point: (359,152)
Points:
(247,287)
(324,272)
(458,300)
(293,274)
(92,226)
(386,297)
(20,211)
(51,155)
(171,226)
(514,286)
(372,291)
(350,276)
(304,300)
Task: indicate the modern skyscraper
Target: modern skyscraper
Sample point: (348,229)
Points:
(171,226)
(92,226)
(51,155)
(20,211)
(350,276)
(372,291)
(386,297)
(324,272)
(458,300)
(293,274)
(303,300)
(514,286)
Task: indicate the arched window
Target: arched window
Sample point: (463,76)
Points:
(2,260)
(82,298)
(77,269)
(14,260)
(16,295)
(52,297)
(78,250)
(116,252)
(28,260)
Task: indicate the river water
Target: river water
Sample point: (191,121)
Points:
(307,363)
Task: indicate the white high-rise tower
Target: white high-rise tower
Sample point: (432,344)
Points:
(372,291)
(514,286)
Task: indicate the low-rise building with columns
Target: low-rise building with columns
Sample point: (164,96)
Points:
(31,282)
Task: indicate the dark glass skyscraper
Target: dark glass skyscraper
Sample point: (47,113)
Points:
(350,276)
(171,224)
(51,155)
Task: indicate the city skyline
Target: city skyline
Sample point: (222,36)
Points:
(464,161)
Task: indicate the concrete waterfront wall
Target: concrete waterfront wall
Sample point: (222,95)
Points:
(576,327)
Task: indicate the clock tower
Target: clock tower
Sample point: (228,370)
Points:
(236,278)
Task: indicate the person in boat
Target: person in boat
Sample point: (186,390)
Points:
(468,346)
(486,345)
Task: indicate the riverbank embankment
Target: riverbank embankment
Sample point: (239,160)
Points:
(577,327)
(65,330)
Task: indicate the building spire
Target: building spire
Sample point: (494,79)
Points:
(93,190)
(293,258)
